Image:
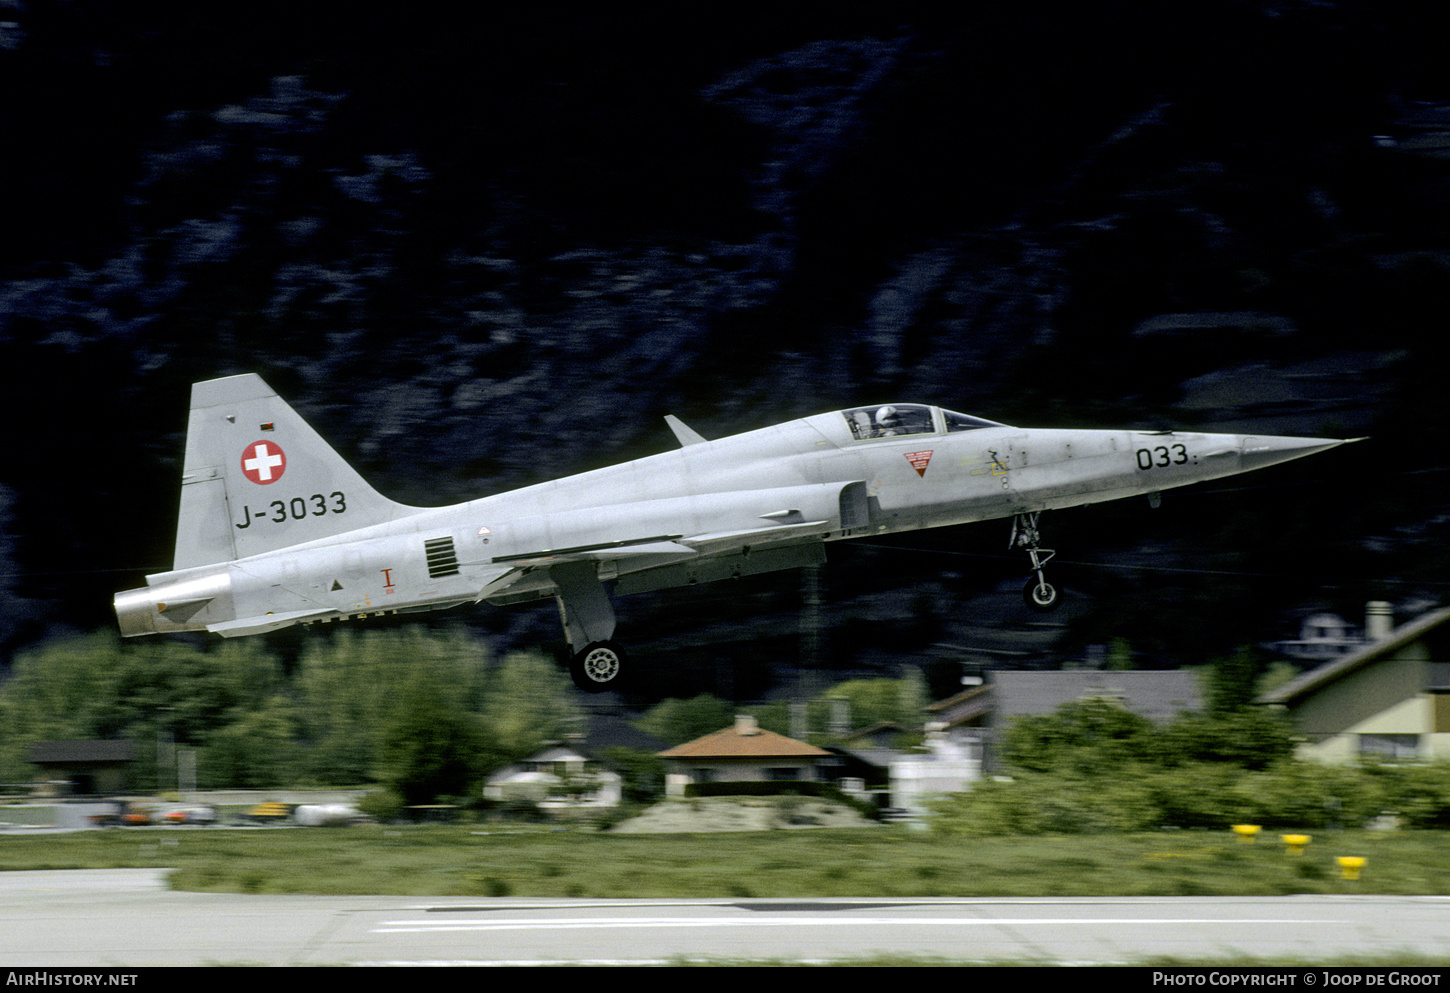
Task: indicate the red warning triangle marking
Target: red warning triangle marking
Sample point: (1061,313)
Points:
(920,460)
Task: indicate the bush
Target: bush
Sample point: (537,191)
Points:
(1198,795)
(1093,766)
(751,787)
(383,806)
(1249,739)
(1419,794)
(1309,795)
(1086,735)
(1047,804)
(1290,794)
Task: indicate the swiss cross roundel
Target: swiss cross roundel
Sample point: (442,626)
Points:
(263,462)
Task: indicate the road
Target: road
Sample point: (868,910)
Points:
(127,917)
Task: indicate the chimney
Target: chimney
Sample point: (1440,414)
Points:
(1379,620)
(745,725)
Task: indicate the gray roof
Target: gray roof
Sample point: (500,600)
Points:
(1157,695)
(72,752)
(607,731)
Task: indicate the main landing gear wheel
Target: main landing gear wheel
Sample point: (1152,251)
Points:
(597,668)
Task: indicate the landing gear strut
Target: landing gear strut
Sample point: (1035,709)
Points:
(588,619)
(1038,594)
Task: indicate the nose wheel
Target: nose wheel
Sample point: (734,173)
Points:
(1038,594)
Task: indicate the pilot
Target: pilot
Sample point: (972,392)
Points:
(887,423)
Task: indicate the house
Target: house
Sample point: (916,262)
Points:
(86,768)
(1390,698)
(1323,637)
(866,755)
(742,752)
(976,719)
(950,764)
(560,775)
(963,731)
(572,773)
(881,736)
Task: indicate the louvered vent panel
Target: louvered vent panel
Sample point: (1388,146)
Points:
(442,559)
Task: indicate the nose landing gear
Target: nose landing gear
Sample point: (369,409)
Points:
(1038,594)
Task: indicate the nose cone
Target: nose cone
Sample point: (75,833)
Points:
(1259,451)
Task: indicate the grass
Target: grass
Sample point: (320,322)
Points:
(461,860)
(526,861)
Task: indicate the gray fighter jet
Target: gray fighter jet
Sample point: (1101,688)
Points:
(276,529)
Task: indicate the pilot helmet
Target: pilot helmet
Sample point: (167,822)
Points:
(886,416)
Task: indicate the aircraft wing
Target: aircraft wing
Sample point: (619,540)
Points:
(784,527)
(665,547)
(686,434)
(498,579)
(668,561)
(726,555)
(733,541)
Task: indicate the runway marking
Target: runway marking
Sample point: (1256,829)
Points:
(673,960)
(573,924)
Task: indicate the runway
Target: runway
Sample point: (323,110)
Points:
(127,917)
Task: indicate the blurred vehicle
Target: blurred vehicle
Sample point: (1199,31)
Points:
(136,814)
(326,814)
(196,814)
(269,813)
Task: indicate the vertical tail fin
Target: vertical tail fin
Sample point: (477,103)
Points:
(257,478)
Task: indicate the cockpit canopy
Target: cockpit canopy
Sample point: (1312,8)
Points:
(890,420)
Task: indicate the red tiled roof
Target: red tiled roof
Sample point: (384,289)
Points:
(730,743)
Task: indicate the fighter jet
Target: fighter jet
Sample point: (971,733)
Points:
(276,529)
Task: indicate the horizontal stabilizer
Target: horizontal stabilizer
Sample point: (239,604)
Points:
(263,623)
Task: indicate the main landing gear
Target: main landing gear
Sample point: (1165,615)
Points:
(1038,594)
(588,619)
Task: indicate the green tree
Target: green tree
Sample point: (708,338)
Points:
(1233,682)
(527,701)
(348,685)
(872,701)
(1087,736)
(430,747)
(94,687)
(773,716)
(353,684)
(63,689)
(643,773)
(678,721)
(1252,738)
(1093,766)
(258,749)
